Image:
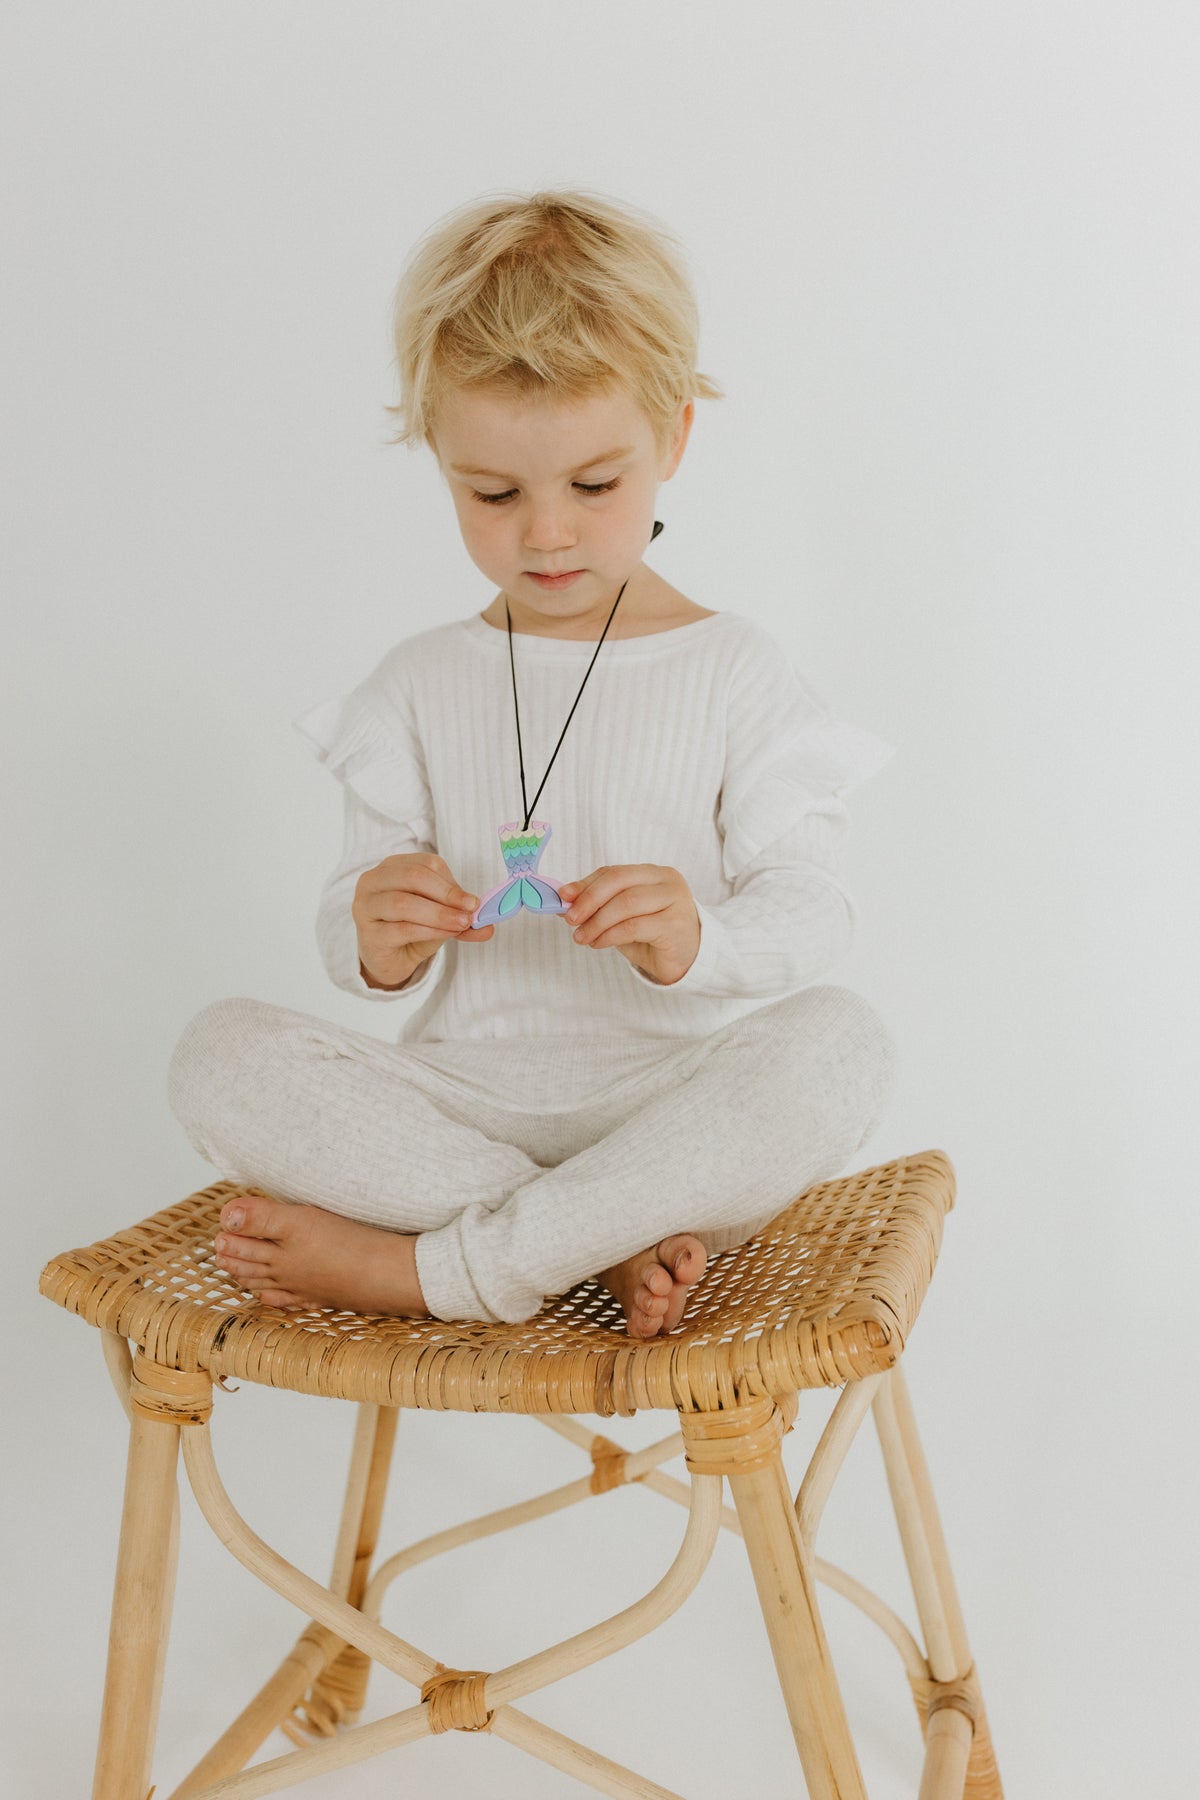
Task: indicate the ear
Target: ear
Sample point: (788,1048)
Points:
(683,429)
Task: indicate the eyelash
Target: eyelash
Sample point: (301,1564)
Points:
(601,487)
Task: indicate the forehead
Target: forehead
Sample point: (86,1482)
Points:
(482,430)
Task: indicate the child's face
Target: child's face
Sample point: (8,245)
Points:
(537,492)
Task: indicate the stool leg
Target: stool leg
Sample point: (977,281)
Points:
(141,1613)
(786,1583)
(340,1691)
(953,1683)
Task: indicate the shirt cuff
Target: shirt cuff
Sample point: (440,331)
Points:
(703,965)
(349,974)
(414,985)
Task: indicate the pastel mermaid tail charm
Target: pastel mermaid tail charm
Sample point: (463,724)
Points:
(521,847)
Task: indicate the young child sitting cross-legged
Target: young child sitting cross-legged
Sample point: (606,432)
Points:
(595,829)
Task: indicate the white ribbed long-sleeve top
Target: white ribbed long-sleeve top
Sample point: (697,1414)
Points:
(699,748)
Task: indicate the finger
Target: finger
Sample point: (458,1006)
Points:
(643,928)
(400,871)
(630,903)
(606,883)
(421,874)
(570,890)
(394,907)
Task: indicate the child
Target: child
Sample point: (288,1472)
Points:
(620,1063)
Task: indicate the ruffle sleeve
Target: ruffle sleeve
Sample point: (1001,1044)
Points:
(376,753)
(787,755)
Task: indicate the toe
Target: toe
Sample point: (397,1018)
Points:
(246,1274)
(255,1215)
(685,1255)
(656,1279)
(641,1325)
(279,1297)
(675,1308)
(650,1302)
(241,1249)
(672,1320)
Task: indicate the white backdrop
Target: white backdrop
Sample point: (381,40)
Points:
(946,261)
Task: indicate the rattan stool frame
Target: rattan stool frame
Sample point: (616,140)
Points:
(825,1296)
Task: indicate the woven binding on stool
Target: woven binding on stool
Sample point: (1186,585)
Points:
(608,1465)
(455,1699)
(964,1696)
(339,1689)
(173,1396)
(737,1440)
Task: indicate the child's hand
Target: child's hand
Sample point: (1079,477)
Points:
(403,909)
(644,911)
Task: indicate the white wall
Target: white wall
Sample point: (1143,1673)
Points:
(946,259)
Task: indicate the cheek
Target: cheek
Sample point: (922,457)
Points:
(633,503)
(481,526)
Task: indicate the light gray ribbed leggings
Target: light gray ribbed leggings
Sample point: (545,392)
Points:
(712,1135)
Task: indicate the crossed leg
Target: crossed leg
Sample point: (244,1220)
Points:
(366,1147)
(718,1137)
(720,1134)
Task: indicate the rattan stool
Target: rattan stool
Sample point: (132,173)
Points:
(824,1296)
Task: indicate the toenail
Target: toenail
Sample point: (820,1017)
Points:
(220,1245)
(234,1219)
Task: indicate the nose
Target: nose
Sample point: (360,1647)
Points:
(547,533)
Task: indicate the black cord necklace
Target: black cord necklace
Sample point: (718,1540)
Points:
(522,842)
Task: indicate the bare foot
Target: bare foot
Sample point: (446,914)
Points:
(653,1285)
(293,1255)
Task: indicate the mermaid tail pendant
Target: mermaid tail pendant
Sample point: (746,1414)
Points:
(521,847)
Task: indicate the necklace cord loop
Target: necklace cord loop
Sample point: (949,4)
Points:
(529,805)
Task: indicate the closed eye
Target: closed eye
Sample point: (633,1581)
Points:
(601,487)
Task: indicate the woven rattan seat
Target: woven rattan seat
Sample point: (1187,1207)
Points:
(825,1296)
(827,1293)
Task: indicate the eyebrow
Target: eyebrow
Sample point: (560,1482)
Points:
(594,462)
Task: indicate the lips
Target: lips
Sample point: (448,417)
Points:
(554,582)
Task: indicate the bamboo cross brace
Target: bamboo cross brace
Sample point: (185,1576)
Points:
(853,1403)
(414,1665)
(506,1685)
(637,1464)
(362,1742)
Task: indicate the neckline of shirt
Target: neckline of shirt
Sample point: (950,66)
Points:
(648,643)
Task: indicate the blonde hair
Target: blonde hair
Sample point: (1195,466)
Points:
(558,294)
